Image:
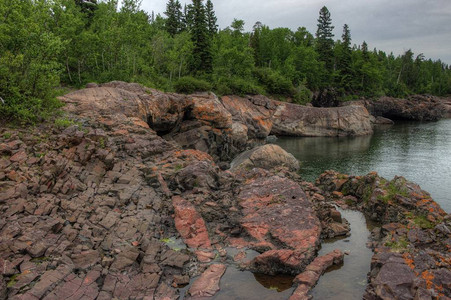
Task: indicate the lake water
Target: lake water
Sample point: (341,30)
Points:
(421,152)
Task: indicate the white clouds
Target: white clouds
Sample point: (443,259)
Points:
(390,25)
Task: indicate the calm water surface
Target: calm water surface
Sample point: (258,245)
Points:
(421,152)
(349,280)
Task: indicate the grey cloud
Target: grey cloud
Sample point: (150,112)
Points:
(389,25)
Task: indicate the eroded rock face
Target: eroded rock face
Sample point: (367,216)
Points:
(253,112)
(417,107)
(295,120)
(266,157)
(221,127)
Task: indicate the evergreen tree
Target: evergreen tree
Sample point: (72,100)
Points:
(202,57)
(325,43)
(174,14)
(188,16)
(365,53)
(324,38)
(211,18)
(255,43)
(344,60)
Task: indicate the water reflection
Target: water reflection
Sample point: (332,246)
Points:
(347,281)
(236,284)
(421,152)
(279,283)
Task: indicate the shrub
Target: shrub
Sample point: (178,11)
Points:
(274,83)
(189,85)
(237,86)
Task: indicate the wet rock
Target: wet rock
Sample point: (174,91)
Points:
(208,283)
(266,157)
(308,279)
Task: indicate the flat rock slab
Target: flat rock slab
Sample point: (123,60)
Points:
(208,283)
(280,218)
(190,224)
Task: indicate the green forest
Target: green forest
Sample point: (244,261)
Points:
(49,44)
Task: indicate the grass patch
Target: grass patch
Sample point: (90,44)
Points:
(423,222)
(393,189)
(63,123)
(7,135)
(399,245)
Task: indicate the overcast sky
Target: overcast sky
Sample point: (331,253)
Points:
(390,25)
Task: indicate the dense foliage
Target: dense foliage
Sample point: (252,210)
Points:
(44,44)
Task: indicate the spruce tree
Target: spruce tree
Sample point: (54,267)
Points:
(211,18)
(344,61)
(202,57)
(324,39)
(174,13)
(365,53)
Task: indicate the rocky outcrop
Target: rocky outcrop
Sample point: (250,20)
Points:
(253,112)
(266,157)
(221,127)
(416,107)
(295,120)
(412,258)
(116,206)
(111,208)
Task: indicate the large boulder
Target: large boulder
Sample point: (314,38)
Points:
(295,120)
(266,157)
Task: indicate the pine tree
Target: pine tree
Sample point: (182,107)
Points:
(202,57)
(211,18)
(324,39)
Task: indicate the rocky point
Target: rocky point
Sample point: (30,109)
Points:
(135,200)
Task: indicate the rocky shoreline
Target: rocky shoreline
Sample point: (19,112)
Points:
(136,198)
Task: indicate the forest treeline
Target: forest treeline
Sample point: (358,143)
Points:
(48,43)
